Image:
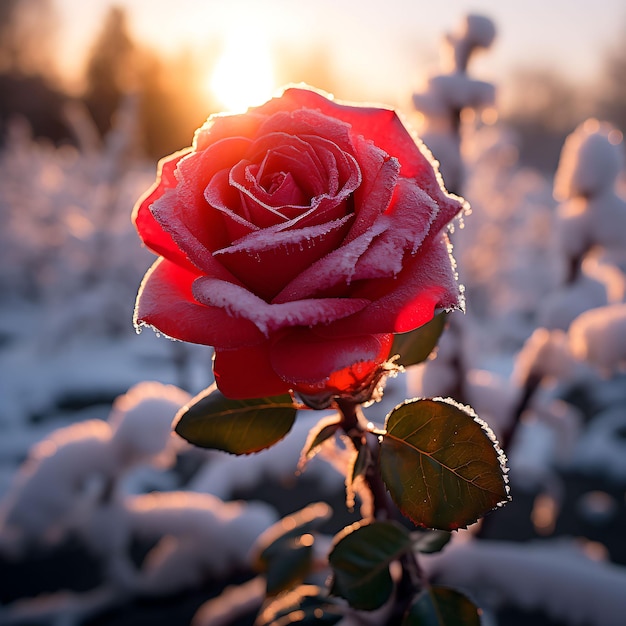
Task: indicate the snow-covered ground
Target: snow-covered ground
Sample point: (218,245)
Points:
(72,463)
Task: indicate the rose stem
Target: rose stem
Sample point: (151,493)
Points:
(383,508)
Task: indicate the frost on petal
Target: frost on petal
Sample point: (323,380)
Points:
(427,283)
(193,174)
(302,164)
(226,201)
(318,171)
(305,120)
(149,229)
(222,126)
(380,175)
(166,211)
(183,212)
(268,259)
(281,152)
(272,238)
(385,129)
(335,269)
(411,215)
(165,302)
(342,170)
(276,237)
(265,198)
(240,303)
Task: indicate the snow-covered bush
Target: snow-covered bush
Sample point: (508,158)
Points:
(599,337)
(66,234)
(592,213)
(79,467)
(446,95)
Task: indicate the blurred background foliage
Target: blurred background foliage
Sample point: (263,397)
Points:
(541,104)
(172,102)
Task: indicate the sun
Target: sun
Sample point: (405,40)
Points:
(243,75)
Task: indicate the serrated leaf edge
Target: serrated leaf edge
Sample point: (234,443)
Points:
(466,408)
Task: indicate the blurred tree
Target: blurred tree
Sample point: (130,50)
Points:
(27,32)
(544,97)
(27,76)
(31,98)
(171,105)
(611,102)
(110,71)
(543,108)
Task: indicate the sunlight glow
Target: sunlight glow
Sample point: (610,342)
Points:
(243,75)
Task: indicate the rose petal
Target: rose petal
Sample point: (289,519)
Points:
(380,176)
(303,358)
(195,251)
(165,302)
(282,254)
(410,215)
(276,189)
(299,120)
(283,152)
(150,231)
(324,173)
(241,303)
(426,283)
(386,130)
(247,373)
(222,197)
(335,269)
(186,215)
(225,126)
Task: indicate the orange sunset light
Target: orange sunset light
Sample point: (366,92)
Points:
(243,75)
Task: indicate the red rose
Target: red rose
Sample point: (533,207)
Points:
(296,239)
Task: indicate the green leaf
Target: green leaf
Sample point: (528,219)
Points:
(322,431)
(291,566)
(440,606)
(211,420)
(441,464)
(431,541)
(417,345)
(286,548)
(307,606)
(360,562)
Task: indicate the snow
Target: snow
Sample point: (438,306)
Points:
(67,474)
(86,448)
(592,214)
(602,447)
(599,337)
(446,95)
(224,475)
(198,536)
(554,576)
(591,160)
(560,308)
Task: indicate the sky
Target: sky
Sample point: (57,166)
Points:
(389,45)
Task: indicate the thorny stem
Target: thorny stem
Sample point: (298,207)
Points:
(352,424)
(412,579)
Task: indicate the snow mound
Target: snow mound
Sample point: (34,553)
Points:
(599,337)
(590,162)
